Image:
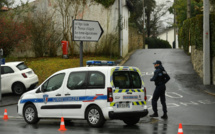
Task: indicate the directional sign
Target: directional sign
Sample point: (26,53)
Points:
(85,30)
(2,61)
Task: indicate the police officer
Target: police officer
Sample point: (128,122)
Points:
(160,78)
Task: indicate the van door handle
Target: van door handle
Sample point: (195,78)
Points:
(58,95)
(129,92)
(67,94)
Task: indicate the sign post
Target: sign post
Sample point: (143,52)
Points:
(86,30)
(1,54)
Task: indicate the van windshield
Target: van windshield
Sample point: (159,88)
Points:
(126,79)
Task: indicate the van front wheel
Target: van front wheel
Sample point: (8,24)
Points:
(131,121)
(95,117)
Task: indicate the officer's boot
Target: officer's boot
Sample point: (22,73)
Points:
(164,116)
(154,115)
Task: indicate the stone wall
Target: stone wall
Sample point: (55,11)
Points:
(197,61)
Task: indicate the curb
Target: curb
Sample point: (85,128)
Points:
(126,58)
(213,94)
(5,105)
(13,117)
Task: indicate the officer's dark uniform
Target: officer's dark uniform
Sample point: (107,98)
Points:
(160,78)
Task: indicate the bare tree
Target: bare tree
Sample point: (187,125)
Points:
(68,10)
(157,14)
(43,34)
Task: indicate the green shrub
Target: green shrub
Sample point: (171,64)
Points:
(157,43)
(193,29)
(105,3)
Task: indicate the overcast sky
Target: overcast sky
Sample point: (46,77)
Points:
(17,2)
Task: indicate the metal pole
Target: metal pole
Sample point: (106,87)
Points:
(81,54)
(143,25)
(1,53)
(206,44)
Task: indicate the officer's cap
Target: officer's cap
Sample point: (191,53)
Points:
(158,62)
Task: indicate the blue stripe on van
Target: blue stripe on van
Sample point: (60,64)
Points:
(65,99)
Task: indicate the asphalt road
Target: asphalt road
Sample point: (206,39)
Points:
(186,101)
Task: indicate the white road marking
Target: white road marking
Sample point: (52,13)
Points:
(173,95)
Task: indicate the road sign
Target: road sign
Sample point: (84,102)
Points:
(2,61)
(86,30)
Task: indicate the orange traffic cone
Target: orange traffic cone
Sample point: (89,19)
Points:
(62,125)
(180,130)
(5,115)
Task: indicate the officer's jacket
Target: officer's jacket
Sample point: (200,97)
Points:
(160,76)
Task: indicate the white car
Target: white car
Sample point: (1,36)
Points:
(96,94)
(16,77)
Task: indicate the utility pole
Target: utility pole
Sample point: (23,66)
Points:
(175,25)
(189,16)
(143,25)
(206,44)
(1,54)
(188,9)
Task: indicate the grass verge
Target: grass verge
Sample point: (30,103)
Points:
(44,67)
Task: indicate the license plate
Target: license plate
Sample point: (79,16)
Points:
(130,97)
(123,105)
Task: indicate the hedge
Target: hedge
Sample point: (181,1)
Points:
(157,43)
(193,29)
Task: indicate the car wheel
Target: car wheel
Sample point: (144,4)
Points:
(131,121)
(30,114)
(95,117)
(18,88)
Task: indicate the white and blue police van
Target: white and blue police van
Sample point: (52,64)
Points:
(95,93)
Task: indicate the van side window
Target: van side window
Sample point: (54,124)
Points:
(77,80)
(96,80)
(53,83)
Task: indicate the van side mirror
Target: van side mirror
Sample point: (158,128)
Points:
(38,90)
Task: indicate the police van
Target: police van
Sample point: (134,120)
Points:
(97,94)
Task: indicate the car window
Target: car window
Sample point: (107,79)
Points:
(21,66)
(77,80)
(96,80)
(6,70)
(126,79)
(53,83)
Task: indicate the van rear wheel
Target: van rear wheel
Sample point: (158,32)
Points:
(131,121)
(95,117)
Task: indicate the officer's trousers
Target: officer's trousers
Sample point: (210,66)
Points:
(159,93)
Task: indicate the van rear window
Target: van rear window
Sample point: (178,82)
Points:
(126,79)
(21,66)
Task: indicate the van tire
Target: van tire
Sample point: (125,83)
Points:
(95,117)
(30,114)
(131,121)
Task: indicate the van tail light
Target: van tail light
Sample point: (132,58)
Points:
(109,94)
(24,75)
(145,97)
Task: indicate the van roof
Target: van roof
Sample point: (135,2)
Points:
(95,67)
